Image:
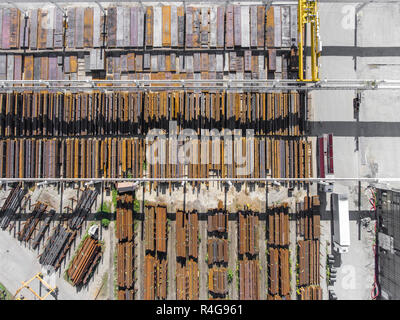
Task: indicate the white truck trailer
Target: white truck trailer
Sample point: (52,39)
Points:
(341,223)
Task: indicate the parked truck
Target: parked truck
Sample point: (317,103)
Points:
(341,223)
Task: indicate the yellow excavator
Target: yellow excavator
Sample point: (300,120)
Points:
(307,13)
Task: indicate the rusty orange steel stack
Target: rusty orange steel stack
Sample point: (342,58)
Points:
(278,252)
(187,273)
(125,246)
(308,252)
(248,242)
(84,262)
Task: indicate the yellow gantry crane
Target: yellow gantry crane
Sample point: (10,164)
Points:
(38,276)
(307,13)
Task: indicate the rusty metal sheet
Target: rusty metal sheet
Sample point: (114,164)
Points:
(181,27)
(3,66)
(149,26)
(134,27)
(58,29)
(213,27)
(271,59)
(245,26)
(111,27)
(260,26)
(97,26)
(238,25)
(10,67)
(253,26)
(232,61)
(88,28)
(174,26)
(131,61)
(140,33)
(166,26)
(269,43)
(247,60)
(124,63)
(196,27)
(79,27)
(196,62)
(146,61)
(44,68)
(17,67)
(52,68)
(293,24)
(204,27)
(36,68)
(73,64)
(6,29)
(70,33)
(14,27)
(157,32)
(50,28)
(278,27)
(189,27)
(204,62)
(285,12)
(127,27)
(120,27)
(139,62)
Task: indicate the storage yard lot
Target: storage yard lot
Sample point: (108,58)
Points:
(191,240)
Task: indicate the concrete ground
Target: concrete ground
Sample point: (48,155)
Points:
(359,42)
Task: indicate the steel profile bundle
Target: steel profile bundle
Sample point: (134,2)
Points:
(124,219)
(308,218)
(156,228)
(187,226)
(84,261)
(217,222)
(82,208)
(217,250)
(218,282)
(309,256)
(34,219)
(311,293)
(43,228)
(248,233)
(187,280)
(125,246)
(124,113)
(249,280)
(56,247)
(155,278)
(11,205)
(167,26)
(278,226)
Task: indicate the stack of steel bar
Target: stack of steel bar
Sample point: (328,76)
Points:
(167,26)
(125,247)
(120,157)
(43,114)
(82,208)
(57,247)
(278,253)
(187,270)
(311,293)
(11,205)
(84,262)
(155,230)
(45,225)
(34,219)
(217,228)
(155,278)
(308,249)
(248,247)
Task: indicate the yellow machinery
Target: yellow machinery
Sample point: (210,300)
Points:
(308,14)
(38,276)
